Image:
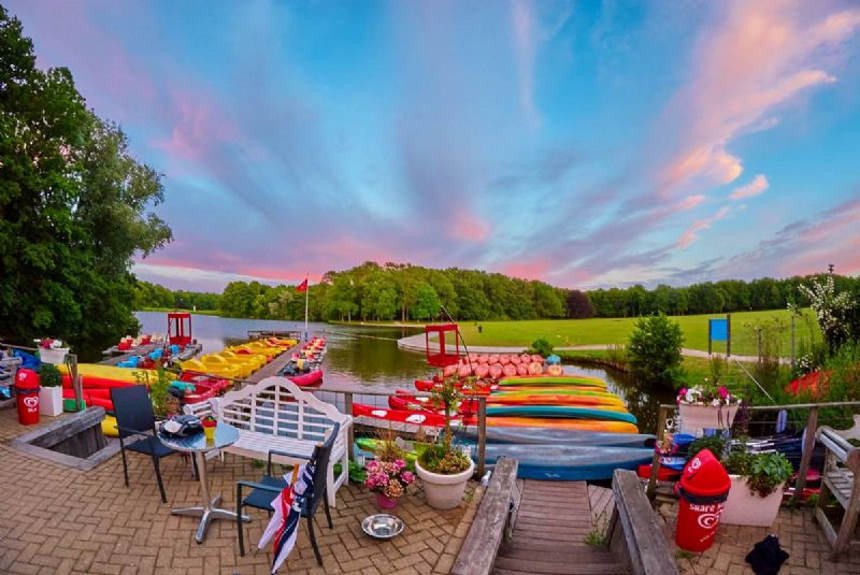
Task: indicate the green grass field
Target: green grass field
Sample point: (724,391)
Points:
(594,331)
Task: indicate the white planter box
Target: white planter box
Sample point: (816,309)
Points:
(51,401)
(744,507)
(56,356)
(696,417)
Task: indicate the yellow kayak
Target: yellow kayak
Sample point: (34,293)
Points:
(98,370)
(109,426)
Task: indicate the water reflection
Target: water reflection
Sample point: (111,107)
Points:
(369,357)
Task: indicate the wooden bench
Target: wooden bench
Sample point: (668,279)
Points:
(841,467)
(276,414)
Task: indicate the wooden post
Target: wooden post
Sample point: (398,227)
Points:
(728,335)
(77,384)
(792,341)
(347,407)
(482,433)
(655,460)
(808,446)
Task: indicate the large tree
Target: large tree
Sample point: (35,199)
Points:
(73,207)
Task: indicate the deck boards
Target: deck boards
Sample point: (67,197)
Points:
(552,523)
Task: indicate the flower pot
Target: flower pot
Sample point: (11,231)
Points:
(57,356)
(696,417)
(51,401)
(384,502)
(745,507)
(444,491)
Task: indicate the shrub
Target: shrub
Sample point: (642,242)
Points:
(49,376)
(715,443)
(541,347)
(655,349)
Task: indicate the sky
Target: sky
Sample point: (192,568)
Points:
(586,144)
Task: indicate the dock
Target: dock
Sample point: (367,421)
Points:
(273,367)
(553,522)
(139,350)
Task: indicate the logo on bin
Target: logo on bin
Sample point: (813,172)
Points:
(31,402)
(708,520)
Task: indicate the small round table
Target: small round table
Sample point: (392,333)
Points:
(225,435)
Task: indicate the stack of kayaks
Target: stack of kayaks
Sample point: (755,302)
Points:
(557,426)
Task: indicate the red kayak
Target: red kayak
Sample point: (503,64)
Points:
(402,415)
(92,397)
(218,384)
(481,389)
(403,399)
(94,382)
(310,379)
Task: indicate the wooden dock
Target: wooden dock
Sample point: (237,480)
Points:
(271,368)
(553,521)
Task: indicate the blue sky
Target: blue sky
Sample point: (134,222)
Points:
(582,143)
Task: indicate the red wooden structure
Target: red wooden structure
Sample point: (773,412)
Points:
(442,358)
(179,328)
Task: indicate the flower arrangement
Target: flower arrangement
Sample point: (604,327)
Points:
(49,343)
(390,478)
(707,394)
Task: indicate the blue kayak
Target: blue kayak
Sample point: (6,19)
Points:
(561,411)
(568,462)
(548,436)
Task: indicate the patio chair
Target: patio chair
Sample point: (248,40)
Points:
(264,491)
(134,417)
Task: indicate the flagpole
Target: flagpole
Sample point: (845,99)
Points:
(307,295)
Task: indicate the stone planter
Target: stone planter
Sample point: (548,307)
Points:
(744,507)
(444,491)
(56,356)
(697,417)
(51,401)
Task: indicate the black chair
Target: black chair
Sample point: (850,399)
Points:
(134,416)
(266,490)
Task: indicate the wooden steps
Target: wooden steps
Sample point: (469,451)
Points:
(553,521)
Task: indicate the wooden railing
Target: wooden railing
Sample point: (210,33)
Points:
(71,361)
(665,411)
(343,396)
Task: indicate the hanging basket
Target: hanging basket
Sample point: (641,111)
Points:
(696,417)
(57,355)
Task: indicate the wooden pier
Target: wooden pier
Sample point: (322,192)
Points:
(553,522)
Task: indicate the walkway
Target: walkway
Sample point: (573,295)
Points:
(553,521)
(416,343)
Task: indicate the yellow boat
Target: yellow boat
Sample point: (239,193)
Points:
(222,370)
(256,360)
(212,361)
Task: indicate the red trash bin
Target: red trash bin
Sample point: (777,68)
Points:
(27,392)
(703,489)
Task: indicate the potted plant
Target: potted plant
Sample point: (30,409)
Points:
(52,350)
(51,390)
(445,470)
(389,480)
(757,483)
(707,406)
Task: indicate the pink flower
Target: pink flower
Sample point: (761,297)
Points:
(372,466)
(724,393)
(399,464)
(407,477)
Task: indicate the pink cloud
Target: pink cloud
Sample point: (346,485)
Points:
(532,269)
(690,235)
(689,202)
(754,188)
(760,57)
(469,227)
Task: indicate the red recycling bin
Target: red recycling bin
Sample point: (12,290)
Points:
(703,490)
(27,392)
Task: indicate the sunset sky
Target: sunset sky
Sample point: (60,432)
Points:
(583,143)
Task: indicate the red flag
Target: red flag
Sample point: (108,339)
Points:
(302,286)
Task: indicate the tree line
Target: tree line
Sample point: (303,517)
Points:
(374,292)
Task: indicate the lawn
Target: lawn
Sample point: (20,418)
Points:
(572,332)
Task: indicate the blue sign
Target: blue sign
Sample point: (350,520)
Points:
(718,329)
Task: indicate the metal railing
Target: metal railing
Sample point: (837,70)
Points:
(664,411)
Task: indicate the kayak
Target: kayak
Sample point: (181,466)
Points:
(538,435)
(560,423)
(310,379)
(401,415)
(558,411)
(544,380)
(568,462)
(110,372)
(108,426)
(93,382)
(99,397)
(607,402)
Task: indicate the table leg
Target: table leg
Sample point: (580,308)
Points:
(209,510)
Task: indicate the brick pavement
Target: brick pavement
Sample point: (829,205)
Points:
(56,520)
(798,532)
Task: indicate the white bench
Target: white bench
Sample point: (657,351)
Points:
(276,414)
(839,479)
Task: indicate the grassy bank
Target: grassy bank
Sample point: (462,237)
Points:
(170,309)
(617,330)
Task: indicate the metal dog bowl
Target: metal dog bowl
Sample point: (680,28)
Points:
(382,526)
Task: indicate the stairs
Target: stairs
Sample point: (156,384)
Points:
(553,521)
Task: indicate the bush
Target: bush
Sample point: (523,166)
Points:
(541,347)
(655,349)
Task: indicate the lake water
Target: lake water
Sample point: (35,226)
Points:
(368,357)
